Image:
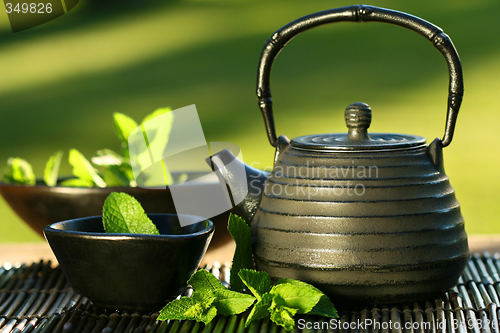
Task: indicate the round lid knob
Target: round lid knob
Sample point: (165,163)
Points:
(358,117)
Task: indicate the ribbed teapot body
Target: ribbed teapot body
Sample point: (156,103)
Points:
(368,216)
(379,226)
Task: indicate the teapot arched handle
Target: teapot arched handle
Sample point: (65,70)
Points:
(360,13)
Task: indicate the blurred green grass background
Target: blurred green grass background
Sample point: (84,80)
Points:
(62,81)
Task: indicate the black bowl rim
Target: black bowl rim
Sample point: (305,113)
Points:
(124,236)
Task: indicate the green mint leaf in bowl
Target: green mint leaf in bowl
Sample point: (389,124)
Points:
(116,176)
(19,172)
(151,137)
(124,125)
(156,113)
(122,213)
(83,169)
(117,172)
(77,182)
(106,157)
(52,168)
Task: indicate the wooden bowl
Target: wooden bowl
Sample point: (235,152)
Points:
(40,205)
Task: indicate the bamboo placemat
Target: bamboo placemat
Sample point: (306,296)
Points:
(37,298)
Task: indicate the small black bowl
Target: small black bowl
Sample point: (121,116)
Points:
(129,272)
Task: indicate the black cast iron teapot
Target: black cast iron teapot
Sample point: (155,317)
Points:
(363,216)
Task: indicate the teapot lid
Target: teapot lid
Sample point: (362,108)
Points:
(358,117)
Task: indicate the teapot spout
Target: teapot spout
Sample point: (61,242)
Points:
(244,183)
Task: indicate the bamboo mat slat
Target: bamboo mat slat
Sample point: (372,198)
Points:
(36,298)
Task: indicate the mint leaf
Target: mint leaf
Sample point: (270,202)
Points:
(177,309)
(127,170)
(156,113)
(324,308)
(260,309)
(19,172)
(231,302)
(156,128)
(202,308)
(106,157)
(52,168)
(115,176)
(77,182)
(138,152)
(258,283)
(122,213)
(203,281)
(282,315)
(227,302)
(242,259)
(207,315)
(298,295)
(124,125)
(284,299)
(83,169)
(209,298)
(146,146)
(197,307)
(116,171)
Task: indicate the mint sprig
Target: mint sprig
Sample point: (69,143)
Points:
(197,307)
(209,298)
(77,182)
(242,258)
(124,125)
(147,142)
(259,283)
(113,169)
(82,168)
(281,314)
(122,213)
(324,307)
(280,301)
(284,299)
(19,172)
(52,168)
